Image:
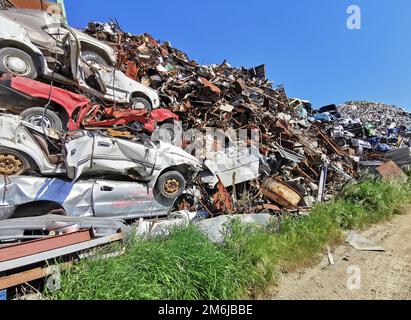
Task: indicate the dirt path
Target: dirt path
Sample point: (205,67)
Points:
(383,275)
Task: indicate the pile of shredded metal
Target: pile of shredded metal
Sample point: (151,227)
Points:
(299,154)
(382,116)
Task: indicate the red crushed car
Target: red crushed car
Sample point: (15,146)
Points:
(52,107)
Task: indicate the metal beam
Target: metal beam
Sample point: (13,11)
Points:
(52,254)
(43,245)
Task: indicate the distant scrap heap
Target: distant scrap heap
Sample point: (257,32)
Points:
(382,116)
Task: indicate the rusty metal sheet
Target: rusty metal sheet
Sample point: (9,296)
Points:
(267,206)
(213,88)
(132,70)
(35,4)
(30,275)
(390,170)
(43,245)
(280,193)
(30,4)
(222,199)
(59,252)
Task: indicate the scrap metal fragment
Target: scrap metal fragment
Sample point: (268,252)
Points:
(390,170)
(322,183)
(280,193)
(361,243)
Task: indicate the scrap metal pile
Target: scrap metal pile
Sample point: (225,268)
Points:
(375,132)
(234,142)
(102,127)
(384,118)
(300,157)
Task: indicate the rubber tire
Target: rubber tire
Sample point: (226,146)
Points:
(94,57)
(340,142)
(54,119)
(169,127)
(22,157)
(145,102)
(21,54)
(159,188)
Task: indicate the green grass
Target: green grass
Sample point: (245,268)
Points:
(182,266)
(301,241)
(187,266)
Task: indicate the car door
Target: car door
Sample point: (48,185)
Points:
(124,157)
(126,200)
(78,151)
(87,153)
(115,85)
(235,165)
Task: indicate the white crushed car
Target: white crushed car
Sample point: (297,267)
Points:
(25,147)
(33,44)
(25,196)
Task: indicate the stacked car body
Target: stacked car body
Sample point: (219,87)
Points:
(80,173)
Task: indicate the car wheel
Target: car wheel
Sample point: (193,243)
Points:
(17,62)
(171,185)
(140,103)
(12,162)
(167,132)
(36,117)
(91,56)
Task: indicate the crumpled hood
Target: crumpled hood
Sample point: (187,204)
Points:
(177,155)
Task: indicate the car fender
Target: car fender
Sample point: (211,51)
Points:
(161,115)
(157,116)
(170,156)
(68,100)
(140,89)
(14,135)
(35,153)
(74,198)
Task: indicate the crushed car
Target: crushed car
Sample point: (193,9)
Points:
(33,44)
(25,147)
(26,196)
(52,107)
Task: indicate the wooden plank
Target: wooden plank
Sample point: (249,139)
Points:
(23,277)
(29,275)
(42,245)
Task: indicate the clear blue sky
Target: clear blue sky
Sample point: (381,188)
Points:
(304,43)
